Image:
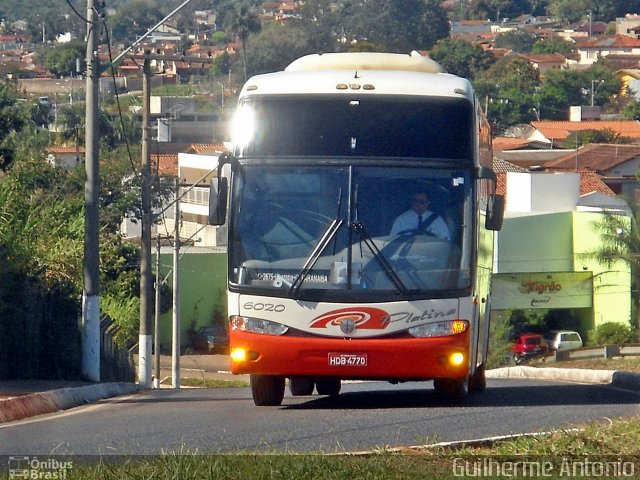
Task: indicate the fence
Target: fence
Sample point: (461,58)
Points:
(116,363)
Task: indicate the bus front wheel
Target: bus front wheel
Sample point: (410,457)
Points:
(478,381)
(267,390)
(451,390)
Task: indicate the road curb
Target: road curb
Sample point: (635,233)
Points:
(24,406)
(614,377)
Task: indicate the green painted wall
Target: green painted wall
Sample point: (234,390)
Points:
(203,283)
(611,283)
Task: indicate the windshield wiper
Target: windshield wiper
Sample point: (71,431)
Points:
(315,254)
(379,256)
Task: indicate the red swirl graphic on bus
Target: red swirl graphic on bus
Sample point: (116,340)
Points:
(364,317)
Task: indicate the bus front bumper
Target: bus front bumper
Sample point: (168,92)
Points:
(363,359)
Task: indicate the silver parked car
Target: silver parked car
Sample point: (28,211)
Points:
(563,339)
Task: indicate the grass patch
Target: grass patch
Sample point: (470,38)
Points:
(268,467)
(626,364)
(208,382)
(568,454)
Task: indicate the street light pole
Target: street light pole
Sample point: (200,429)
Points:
(221,97)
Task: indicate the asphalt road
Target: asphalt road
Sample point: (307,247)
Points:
(365,416)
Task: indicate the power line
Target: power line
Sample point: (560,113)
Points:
(115,90)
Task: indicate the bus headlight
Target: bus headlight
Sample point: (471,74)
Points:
(257,325)
(439,329)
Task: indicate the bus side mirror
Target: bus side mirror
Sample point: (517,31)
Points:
(495,212)
(218,201)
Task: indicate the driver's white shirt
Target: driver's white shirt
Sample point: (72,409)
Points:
(408,221)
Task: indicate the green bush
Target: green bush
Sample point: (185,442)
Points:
(611,333)
(125,312)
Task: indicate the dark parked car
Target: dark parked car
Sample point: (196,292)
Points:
(211,339)
(528,345)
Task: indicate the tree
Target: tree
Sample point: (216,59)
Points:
(319,19)
(620,241)
(70,122)
(561,89)
(221,65)
(366,47)
(508,88)
(516,40)
(277,46)
(12,120)
(461,57)
(606,135)
(496,10)
(61,61)
(553,45)
(601,83)
(242,22)
(558,91)
(568,10)
(400,25)
(134,18)
(632,110)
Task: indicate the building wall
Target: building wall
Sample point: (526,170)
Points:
(611,283)
(566,242)
(542,192)
(202,279)
(536,243)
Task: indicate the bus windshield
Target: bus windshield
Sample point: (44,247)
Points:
(390,126)
(304,230)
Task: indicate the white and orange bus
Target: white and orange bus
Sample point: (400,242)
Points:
(326,155)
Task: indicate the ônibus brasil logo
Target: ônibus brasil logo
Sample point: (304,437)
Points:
(362,317)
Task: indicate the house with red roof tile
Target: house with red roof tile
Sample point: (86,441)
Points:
(65,157)
(593,49)
(165,164)
(617,163)
(545,62)
(500,144)
(558,132)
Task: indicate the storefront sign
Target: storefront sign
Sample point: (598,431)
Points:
(542,290)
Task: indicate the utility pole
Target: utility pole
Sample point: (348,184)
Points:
(144,341)
(91,269)
(156,329)
(175,343)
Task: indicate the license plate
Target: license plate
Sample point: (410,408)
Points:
(347,359)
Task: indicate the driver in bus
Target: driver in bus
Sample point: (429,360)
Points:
(419,220)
